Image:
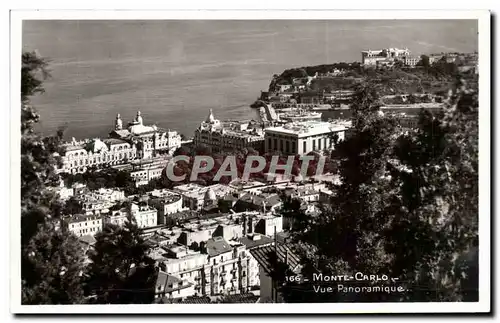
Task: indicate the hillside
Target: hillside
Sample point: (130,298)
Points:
(434,79)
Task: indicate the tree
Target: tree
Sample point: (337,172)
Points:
(121,271)
(439,198)
(50,260)
(424,61)
(407,206)
(52,268)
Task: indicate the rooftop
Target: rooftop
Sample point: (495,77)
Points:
(88,239)
(114,141)
(266,258)
(255,240)
(81,218)
(217,246)
(167,280)
(309,128)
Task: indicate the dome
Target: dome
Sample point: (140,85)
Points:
(138,118)
(96,146)
(210,195)
(138,129)
(118,122)
(210,118)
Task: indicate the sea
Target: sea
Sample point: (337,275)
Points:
(174,71)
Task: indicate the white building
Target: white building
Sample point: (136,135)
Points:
(186,265)
(172,287)
(252,241)
(227,268)
(303,137)
(150,140)
(78,156)
(194,195)
(371,57)
(144,215)
(220,136)
(82,225)
(144,175)
(136,142)
(166,203)
(117,217)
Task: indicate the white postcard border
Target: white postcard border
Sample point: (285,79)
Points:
(483,305)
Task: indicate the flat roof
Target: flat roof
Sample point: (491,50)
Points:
(309,128)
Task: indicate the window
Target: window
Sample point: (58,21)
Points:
(319,143)
(304,147)
(314,144)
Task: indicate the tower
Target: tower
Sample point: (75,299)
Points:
(118,122)
(210,118)
(138,118)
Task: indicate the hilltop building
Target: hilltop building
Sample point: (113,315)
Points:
(387,57)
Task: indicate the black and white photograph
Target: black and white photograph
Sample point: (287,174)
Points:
(174,160)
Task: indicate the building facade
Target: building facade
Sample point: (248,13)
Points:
(221,268)
(220,137)
(123,145)
(303,137)
(117,217)
(371,57)
(144,215)
(82,225)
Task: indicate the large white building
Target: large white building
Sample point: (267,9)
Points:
(227,136)
(137,141)
(221,269)
(303,137)
(78,156)
(144,215)
(82,225)
(373,57)
(166,202)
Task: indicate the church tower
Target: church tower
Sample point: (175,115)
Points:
(138,118)
(118,122)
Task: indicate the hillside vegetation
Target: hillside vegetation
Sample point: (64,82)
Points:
(435,79)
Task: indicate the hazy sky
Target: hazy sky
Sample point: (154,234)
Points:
(174,71)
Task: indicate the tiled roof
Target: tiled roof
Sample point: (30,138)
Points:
(82,218)
(167,280)
(264,256)
(196,300)
(247,298)
(254,243)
